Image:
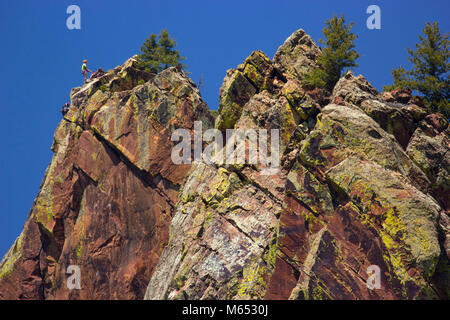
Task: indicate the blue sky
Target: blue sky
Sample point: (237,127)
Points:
(40,60)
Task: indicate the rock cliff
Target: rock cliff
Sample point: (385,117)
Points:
(108,196)
(363,181)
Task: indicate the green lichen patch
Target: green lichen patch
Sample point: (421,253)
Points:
(11,257)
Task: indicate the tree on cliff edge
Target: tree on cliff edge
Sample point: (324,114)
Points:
(159,54)
(337,54)
(430,68)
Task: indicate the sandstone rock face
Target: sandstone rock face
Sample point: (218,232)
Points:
(362,184)
(109,193)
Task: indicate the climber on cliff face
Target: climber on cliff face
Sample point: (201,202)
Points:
(65,108)
(85,70)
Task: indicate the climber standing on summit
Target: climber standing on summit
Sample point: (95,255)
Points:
(85,70)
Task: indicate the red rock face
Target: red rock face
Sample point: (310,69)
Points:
(334,269)
(120,228)
(108,195)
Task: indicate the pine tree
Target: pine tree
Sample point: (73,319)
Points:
(149,56)
(157,55)
(337,54)
(430,67)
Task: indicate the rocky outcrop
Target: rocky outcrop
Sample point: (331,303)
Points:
(362,184)
(348,196)
(254,75)
(108,196)
(395,111)
(297,55)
